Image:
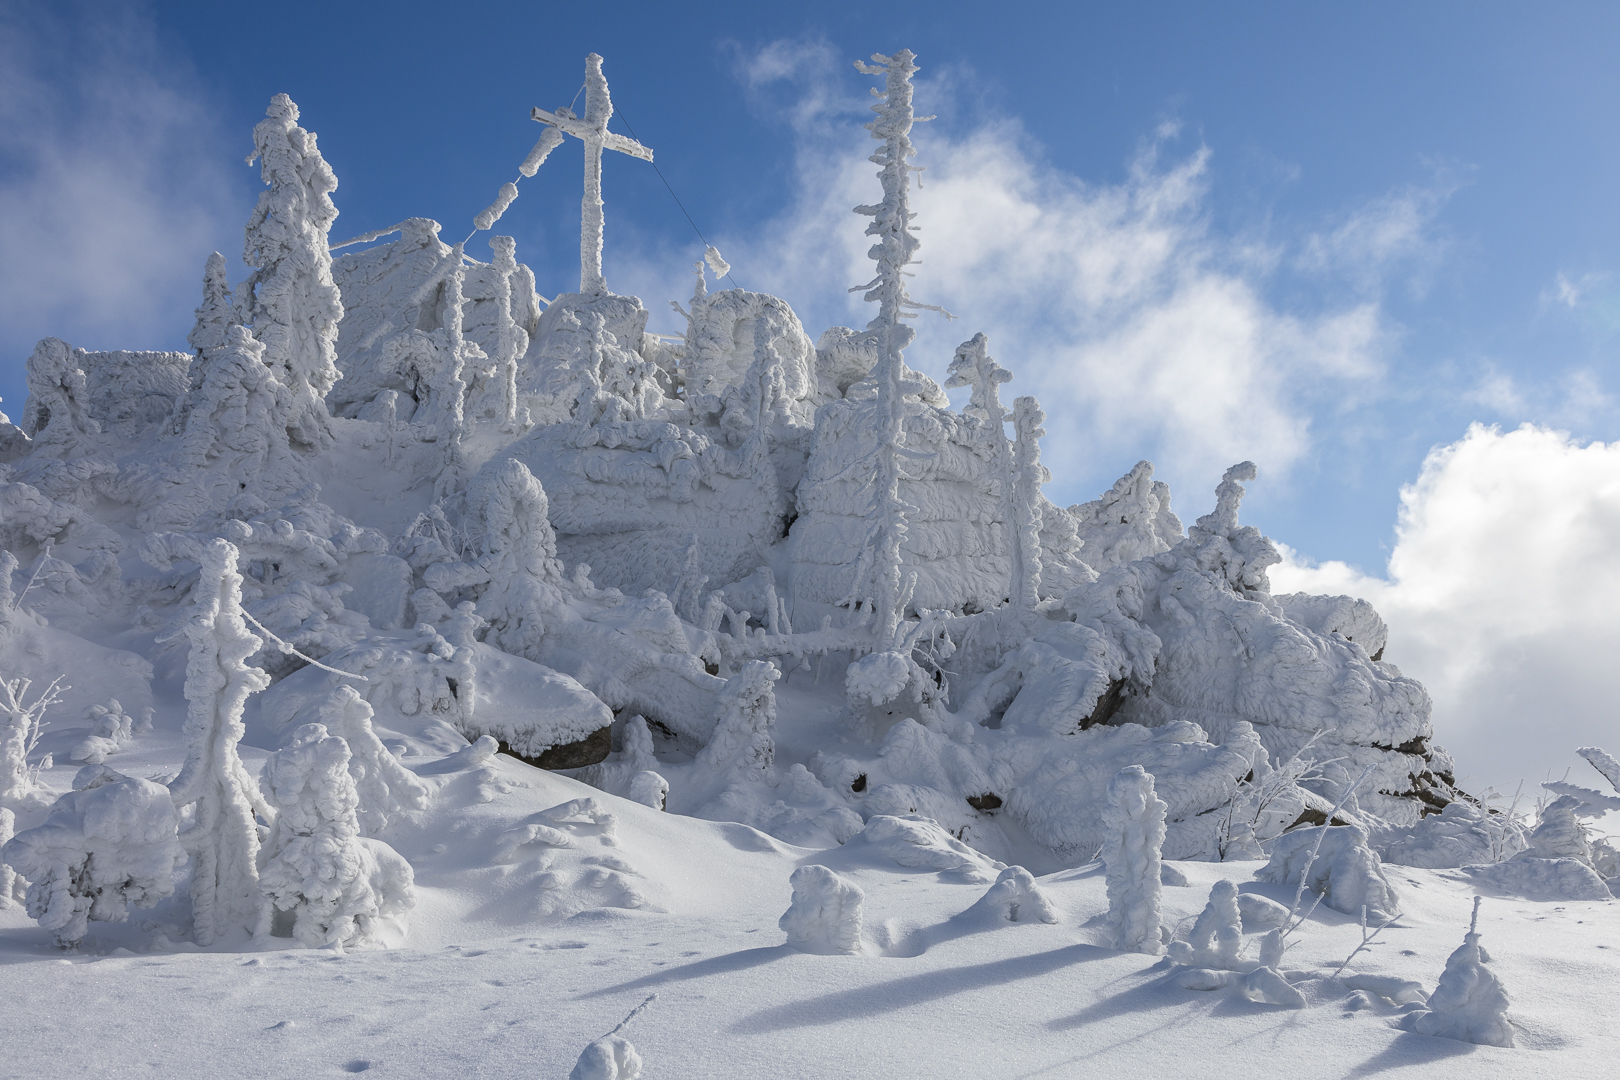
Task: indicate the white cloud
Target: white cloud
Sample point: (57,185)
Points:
(113,183)
(1503,597)
(1144,330)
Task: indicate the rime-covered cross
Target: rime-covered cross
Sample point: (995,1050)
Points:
(591,129)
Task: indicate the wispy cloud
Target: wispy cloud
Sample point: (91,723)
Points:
(1145,331)
(113,183)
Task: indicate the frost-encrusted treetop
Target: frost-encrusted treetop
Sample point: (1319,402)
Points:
(591,129)
(893,252)
(290,299)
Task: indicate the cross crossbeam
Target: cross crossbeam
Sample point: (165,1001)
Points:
(591,129)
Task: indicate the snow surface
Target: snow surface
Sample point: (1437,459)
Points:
(871,760)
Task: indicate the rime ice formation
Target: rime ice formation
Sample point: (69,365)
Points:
(1015,897)
(1216,940)
(1135,820)
(753,571)
(825,916)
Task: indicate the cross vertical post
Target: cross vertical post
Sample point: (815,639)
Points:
(591,129)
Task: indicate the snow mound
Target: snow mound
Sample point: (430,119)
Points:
(1533,878)
(1345,871)
(921,843)
(825,916)
(1015,897)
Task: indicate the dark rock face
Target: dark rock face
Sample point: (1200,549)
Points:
(988,801)
(591,749)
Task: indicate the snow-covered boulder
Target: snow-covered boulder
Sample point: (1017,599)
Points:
(825,916)
(611,1057)
(108,844)
(1463,834)
(957,540)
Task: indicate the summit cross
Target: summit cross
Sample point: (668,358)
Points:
(591,129)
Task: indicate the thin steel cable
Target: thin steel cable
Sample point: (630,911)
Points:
(620,111)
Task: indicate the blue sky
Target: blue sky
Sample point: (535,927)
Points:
(1324,237)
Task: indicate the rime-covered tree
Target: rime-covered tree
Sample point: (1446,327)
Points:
(742,740)
(56,413)
(289,299)
(1028,476)
(382,785)
(973,366)
(511,340)
(222,837)
(339,886)
(215,314)
(516,575)
(1134,820)
(1469,1004)
(893,250)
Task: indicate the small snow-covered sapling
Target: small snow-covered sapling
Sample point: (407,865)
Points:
(1469,1004)
(21,724)
(612,1057)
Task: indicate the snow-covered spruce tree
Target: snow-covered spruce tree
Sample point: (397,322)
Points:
(340,887)
(382,785)
(234,435)
(1028,476)
(111,729)
(742,742)
(215,314)
(289,299)
(107,844)
(209,334)
(221,836)
(894,250)
(1134,820)
(1469,1004)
